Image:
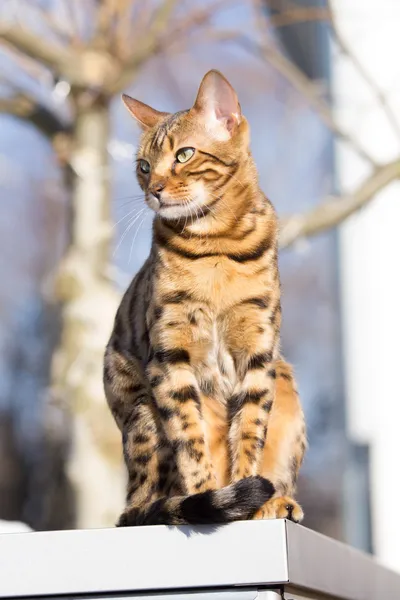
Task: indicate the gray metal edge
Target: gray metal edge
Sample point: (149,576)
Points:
(326,566)
(247,553)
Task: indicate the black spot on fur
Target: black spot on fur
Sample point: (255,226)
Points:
(167,413)
(158,312)
(250,455)
(255,254)
(163,468)
(285,376)
(140,438)
(267,406)
(156,380)
(176,297)
(237,401)
(258,361)
(142,459)
(172,355)
(200,484)
(188,446)
(260,302)
(186,394)
(275,313)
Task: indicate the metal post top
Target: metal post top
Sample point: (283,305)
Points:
(159,558)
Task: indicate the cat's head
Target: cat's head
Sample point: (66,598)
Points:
(186,159)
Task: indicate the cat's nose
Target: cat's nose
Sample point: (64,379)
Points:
(157,188)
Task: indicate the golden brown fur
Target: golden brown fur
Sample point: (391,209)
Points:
(193,373)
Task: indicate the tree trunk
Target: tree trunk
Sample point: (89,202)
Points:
(89,303)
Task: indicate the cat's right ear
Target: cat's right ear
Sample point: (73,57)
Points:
(145,115)
(218,103)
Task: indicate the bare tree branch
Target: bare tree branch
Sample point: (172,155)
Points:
(148,46)
(49,18)
(39,48)
(333,210)
(105,19)
(70,9)
(25,107)
(159,38)
(123,27)
(269,52)
(307,88)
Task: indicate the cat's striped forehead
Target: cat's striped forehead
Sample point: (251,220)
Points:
(164,133)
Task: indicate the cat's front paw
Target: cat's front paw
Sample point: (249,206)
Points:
(282,507)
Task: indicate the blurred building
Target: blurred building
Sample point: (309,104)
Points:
(369,271)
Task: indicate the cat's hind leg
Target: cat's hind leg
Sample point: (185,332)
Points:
(284,449)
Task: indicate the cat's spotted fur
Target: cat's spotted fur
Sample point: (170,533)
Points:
(212,427)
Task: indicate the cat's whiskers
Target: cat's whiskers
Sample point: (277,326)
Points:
(236,179)
(191,218)
(129,227)
(128,200)
(134,237)
(124,217)
(137,202)
(213,213)
(119,198)
(218,218)
(186,216)
(190,203)
(224,204)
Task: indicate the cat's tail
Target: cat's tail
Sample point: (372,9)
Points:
(236,502)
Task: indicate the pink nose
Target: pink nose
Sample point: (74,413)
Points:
(157,188)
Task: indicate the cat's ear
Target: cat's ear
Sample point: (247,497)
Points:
(144,114)
(217,101)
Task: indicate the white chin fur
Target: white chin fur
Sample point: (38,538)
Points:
(177,212)
(153,203)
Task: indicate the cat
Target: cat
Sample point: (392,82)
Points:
(212,427)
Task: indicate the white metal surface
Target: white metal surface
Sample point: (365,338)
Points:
(231,562)
(142,558)
(231,594)
(322,565)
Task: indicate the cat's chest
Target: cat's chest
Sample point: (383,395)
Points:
(217,281)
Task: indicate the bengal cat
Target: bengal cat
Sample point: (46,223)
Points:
(211,423)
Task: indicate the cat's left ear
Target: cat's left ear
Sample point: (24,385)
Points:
(143,113)
(218,102)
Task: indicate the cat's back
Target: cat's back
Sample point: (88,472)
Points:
(129,332)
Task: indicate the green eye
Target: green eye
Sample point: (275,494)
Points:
(184,154)
(144,166)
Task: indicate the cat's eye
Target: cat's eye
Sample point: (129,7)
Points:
(144,166)
(184,154)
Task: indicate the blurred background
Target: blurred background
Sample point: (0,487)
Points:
(320,85)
